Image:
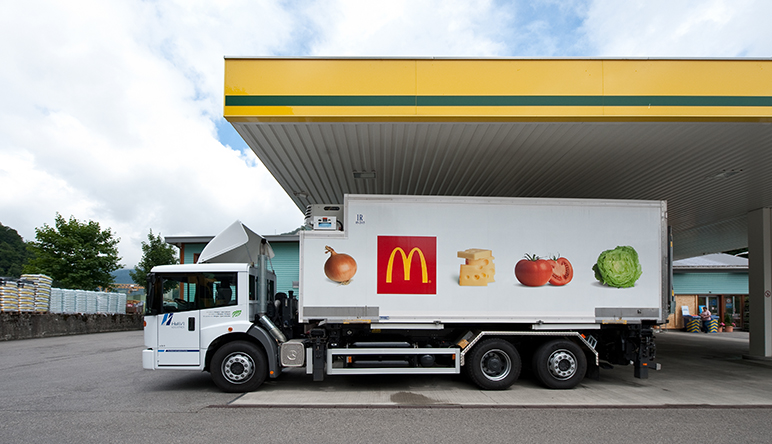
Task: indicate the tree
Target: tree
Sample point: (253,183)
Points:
(13,252)
(77,255)
(155,252)
(296,230)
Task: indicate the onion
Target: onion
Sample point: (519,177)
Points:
(339,267)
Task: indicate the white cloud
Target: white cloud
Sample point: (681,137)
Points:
(694,28)
(109,109)
(409,28)
(110,116)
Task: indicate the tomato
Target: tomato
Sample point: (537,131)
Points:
(532,271)
(562,271)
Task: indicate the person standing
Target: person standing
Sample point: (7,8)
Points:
(705,317)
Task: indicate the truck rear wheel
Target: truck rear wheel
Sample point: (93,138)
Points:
(559,364)
(239,366)
(493,364)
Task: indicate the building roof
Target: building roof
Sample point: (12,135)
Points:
(178,241)
(712,262)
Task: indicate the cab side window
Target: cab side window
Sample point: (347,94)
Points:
(224,290)
(184,292)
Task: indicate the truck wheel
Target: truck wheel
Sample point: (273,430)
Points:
(239,367)
(559,364)
(493,364)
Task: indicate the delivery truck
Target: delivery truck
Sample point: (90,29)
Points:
(483,286)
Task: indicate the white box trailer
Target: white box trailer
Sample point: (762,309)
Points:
(430,285)
(382,232)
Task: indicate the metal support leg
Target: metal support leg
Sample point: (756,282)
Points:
(646,353)
(319,351)
(641,369)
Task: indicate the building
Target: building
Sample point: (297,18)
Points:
(718,281)
(284,264)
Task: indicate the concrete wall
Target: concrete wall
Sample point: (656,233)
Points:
(40,325)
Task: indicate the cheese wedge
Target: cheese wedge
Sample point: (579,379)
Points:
(474,254)
(471,275)
(479,269)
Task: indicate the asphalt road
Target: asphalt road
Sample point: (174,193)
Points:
(92,388)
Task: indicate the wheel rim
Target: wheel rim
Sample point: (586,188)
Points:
(495,364)
(238,367)
(562,364)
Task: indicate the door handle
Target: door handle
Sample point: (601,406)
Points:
(191,324)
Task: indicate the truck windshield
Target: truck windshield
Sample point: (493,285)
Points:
(171,292)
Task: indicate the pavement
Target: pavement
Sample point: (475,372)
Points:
(698,370)
(92,388)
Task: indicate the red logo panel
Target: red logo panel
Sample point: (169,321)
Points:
(407,265)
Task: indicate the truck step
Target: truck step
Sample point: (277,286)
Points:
(381,345)
(383,361)
(379,364)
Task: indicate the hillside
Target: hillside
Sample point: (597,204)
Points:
(122,276)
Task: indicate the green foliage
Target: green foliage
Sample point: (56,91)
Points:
(76,255)
(296,230)
(155,252)
(13,252)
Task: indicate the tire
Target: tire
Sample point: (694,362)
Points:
(559,364)
(239,367)
(493,364)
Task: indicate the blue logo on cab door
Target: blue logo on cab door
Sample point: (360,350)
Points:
(167,321)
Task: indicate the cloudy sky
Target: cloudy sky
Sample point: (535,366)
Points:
(112,110)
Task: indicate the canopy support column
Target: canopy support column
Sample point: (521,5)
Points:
(760,282)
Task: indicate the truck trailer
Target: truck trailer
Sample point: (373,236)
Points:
(424,285)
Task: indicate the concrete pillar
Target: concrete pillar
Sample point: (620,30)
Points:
(760,282)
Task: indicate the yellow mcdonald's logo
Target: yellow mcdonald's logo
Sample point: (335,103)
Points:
(406,261)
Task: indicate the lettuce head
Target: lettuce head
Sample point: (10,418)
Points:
(618,267)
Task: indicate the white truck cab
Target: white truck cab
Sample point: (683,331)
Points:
(194,309)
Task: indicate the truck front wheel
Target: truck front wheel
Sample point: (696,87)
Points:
(493,364)
(559,364)
(239,367)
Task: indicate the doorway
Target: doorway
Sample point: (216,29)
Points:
(712,302)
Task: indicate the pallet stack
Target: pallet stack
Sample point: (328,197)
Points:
(56,301)
(87,302)
(42,287)
(33,294)
(9,295)
(26,296)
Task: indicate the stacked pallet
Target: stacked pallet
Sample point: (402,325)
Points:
(56,303)
(26,296)
(42,287)
(9,295)
(102,302)
(113,303)
(69,299)
(33,294)
(87,302)
(81,301)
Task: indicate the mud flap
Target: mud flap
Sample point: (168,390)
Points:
(593,371)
